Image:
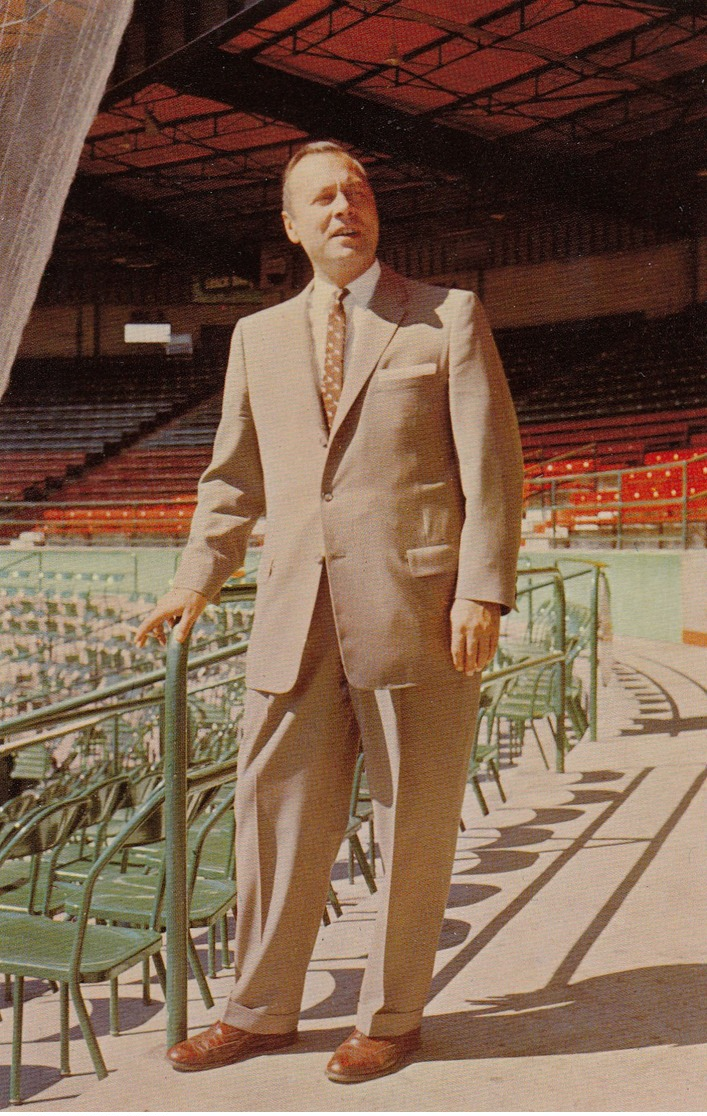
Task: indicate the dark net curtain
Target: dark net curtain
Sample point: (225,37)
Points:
(55,59)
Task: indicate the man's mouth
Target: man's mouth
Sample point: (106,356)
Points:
(346,232)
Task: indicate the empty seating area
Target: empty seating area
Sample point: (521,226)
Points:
(605,367)
(616,441)
(147,490)
(593,397)
(49,432)
(669,489)
(68,639)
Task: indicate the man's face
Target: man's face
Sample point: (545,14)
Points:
(333,215)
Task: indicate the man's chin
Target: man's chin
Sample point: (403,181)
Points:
(346,246)
(350,251)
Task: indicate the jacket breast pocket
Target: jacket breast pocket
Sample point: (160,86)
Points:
(409,375)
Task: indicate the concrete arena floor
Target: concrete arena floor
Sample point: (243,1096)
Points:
(571,968)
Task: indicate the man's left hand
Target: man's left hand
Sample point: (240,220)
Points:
(475,628)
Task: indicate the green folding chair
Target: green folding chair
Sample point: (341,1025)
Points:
(485,748)
(136,898)
(29,856)
(72,953)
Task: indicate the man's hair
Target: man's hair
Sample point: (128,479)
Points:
(316,147)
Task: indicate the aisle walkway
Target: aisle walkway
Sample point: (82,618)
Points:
(571,968)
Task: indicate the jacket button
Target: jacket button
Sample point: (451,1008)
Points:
(328,496)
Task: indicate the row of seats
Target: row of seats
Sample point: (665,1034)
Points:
(54,645)
(657,491)
(607,366)
(49,434)
(618,440)
(163,468)
(148,488)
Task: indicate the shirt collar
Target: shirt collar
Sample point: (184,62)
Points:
(361,289)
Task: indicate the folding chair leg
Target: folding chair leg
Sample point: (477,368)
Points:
(539,743)
(497,779)
(351,864)
(8,988)
(211,938)
(372,845)
(225,951)
(577,716)
(16,1069)
(114,1011)
(358,852)
(333,898)
(88,1034)
(146,997)
(479,795)
(199,973)
(64,1067)
(161,971)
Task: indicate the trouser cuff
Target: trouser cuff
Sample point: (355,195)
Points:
(259,1021)
(387,1024)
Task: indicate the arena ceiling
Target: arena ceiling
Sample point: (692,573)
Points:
(597,104)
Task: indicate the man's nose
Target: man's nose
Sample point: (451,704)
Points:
(342,203)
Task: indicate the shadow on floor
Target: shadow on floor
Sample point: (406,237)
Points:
(658,711)
(661,1005)
(35,1079)
(657,1006)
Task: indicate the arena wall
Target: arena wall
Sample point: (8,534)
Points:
(655,594)
(657,280)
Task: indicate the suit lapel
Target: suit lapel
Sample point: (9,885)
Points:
(295,356)
(375,327)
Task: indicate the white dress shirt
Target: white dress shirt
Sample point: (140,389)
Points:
(360,294)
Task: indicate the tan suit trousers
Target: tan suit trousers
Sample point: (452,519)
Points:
(296,766)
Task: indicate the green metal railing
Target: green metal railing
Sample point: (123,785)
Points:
(597,571)
(91,709)
(555,581)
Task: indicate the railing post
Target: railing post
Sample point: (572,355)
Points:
(115,741)
(175,776)
(594,654)
(683,531)
(561,736)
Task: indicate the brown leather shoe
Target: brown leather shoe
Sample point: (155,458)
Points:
(362,1058)
(220,1045)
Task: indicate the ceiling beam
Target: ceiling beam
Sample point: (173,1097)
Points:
(495,168)
(202,247)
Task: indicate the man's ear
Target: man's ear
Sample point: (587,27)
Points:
(290,227)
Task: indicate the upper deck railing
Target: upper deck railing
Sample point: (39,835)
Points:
(604,498)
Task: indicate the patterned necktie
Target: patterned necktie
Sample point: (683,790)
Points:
(333,376)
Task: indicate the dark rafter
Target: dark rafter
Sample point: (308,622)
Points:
(568,174)
(201,69)
(201,245)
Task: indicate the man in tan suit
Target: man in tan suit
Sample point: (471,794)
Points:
(370,418)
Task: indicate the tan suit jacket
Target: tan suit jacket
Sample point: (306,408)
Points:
(413,499)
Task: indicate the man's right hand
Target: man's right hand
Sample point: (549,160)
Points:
(181,608)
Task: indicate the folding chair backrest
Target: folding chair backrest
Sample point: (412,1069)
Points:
(45,828)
